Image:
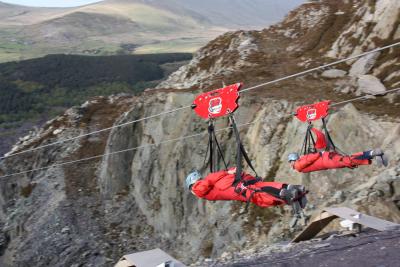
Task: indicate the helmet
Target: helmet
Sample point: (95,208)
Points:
(293,157)
(192,178)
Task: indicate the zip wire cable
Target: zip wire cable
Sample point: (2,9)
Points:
(359,98)
(95,132)
(320,67)
(185,107)
(182,138)
(365,96)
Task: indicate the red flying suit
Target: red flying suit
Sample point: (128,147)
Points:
(328,160)
(218,186)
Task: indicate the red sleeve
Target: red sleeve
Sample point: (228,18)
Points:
(321,140)
(305,161)
(203,187)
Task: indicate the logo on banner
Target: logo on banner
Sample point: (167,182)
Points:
(311,114)
(215,105)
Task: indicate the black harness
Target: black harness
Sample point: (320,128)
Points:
(238,183)
(212,140)
(240,153)
(309,142)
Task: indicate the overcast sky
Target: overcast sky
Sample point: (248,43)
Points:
(50,3)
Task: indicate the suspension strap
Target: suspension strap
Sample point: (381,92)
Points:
(206,156)
(330,145)
(309,142)
(238,176)
(246,157)
(240,152)
(211,144)
(305,144)
(246,209)
(219,150)
(311,148)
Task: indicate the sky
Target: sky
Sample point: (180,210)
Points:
(50,3)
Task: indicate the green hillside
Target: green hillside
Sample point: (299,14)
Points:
(39,89)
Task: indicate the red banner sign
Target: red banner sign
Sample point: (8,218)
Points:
(313,112)
(217,103)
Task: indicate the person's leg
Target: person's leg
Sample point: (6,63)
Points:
(359,158)
(363,155)
(272,188)
(380,157)
(276,185)
(264,199)
(266,194)
(365,158)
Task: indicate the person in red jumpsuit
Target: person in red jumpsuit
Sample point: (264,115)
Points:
(220,186)
(325,160)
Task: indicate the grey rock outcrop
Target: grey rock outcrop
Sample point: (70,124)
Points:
(374,24)
(209,64)
(382,19)
(369,84)
(333,73)
(363,65)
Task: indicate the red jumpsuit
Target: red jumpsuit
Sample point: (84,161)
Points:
(218,186)
(329,160)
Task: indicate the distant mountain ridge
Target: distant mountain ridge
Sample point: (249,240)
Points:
(151,26)
(226,13)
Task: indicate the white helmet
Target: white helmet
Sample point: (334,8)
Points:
(293,157)
(192,178)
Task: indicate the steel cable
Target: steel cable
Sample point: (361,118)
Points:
(185,107)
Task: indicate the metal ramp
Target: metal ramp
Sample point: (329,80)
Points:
(329,214)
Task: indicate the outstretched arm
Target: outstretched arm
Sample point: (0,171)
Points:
(306,160)
(202,187)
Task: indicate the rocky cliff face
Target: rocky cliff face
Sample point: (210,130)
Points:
(93,212)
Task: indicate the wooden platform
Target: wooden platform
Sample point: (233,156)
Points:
(329,214)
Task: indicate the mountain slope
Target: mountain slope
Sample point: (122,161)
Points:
(231,14)
(108,27)
(14,15)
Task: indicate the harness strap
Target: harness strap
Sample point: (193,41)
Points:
(304,146)
(330,145)
(246,157)
(309,142)
(238,176)
(212,138)
(206,156)
(249,199)
(219,150)
(241,152)
(252,181)
(312,149)
(211,144)
(266,189)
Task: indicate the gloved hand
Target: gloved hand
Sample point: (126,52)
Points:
(232,170)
